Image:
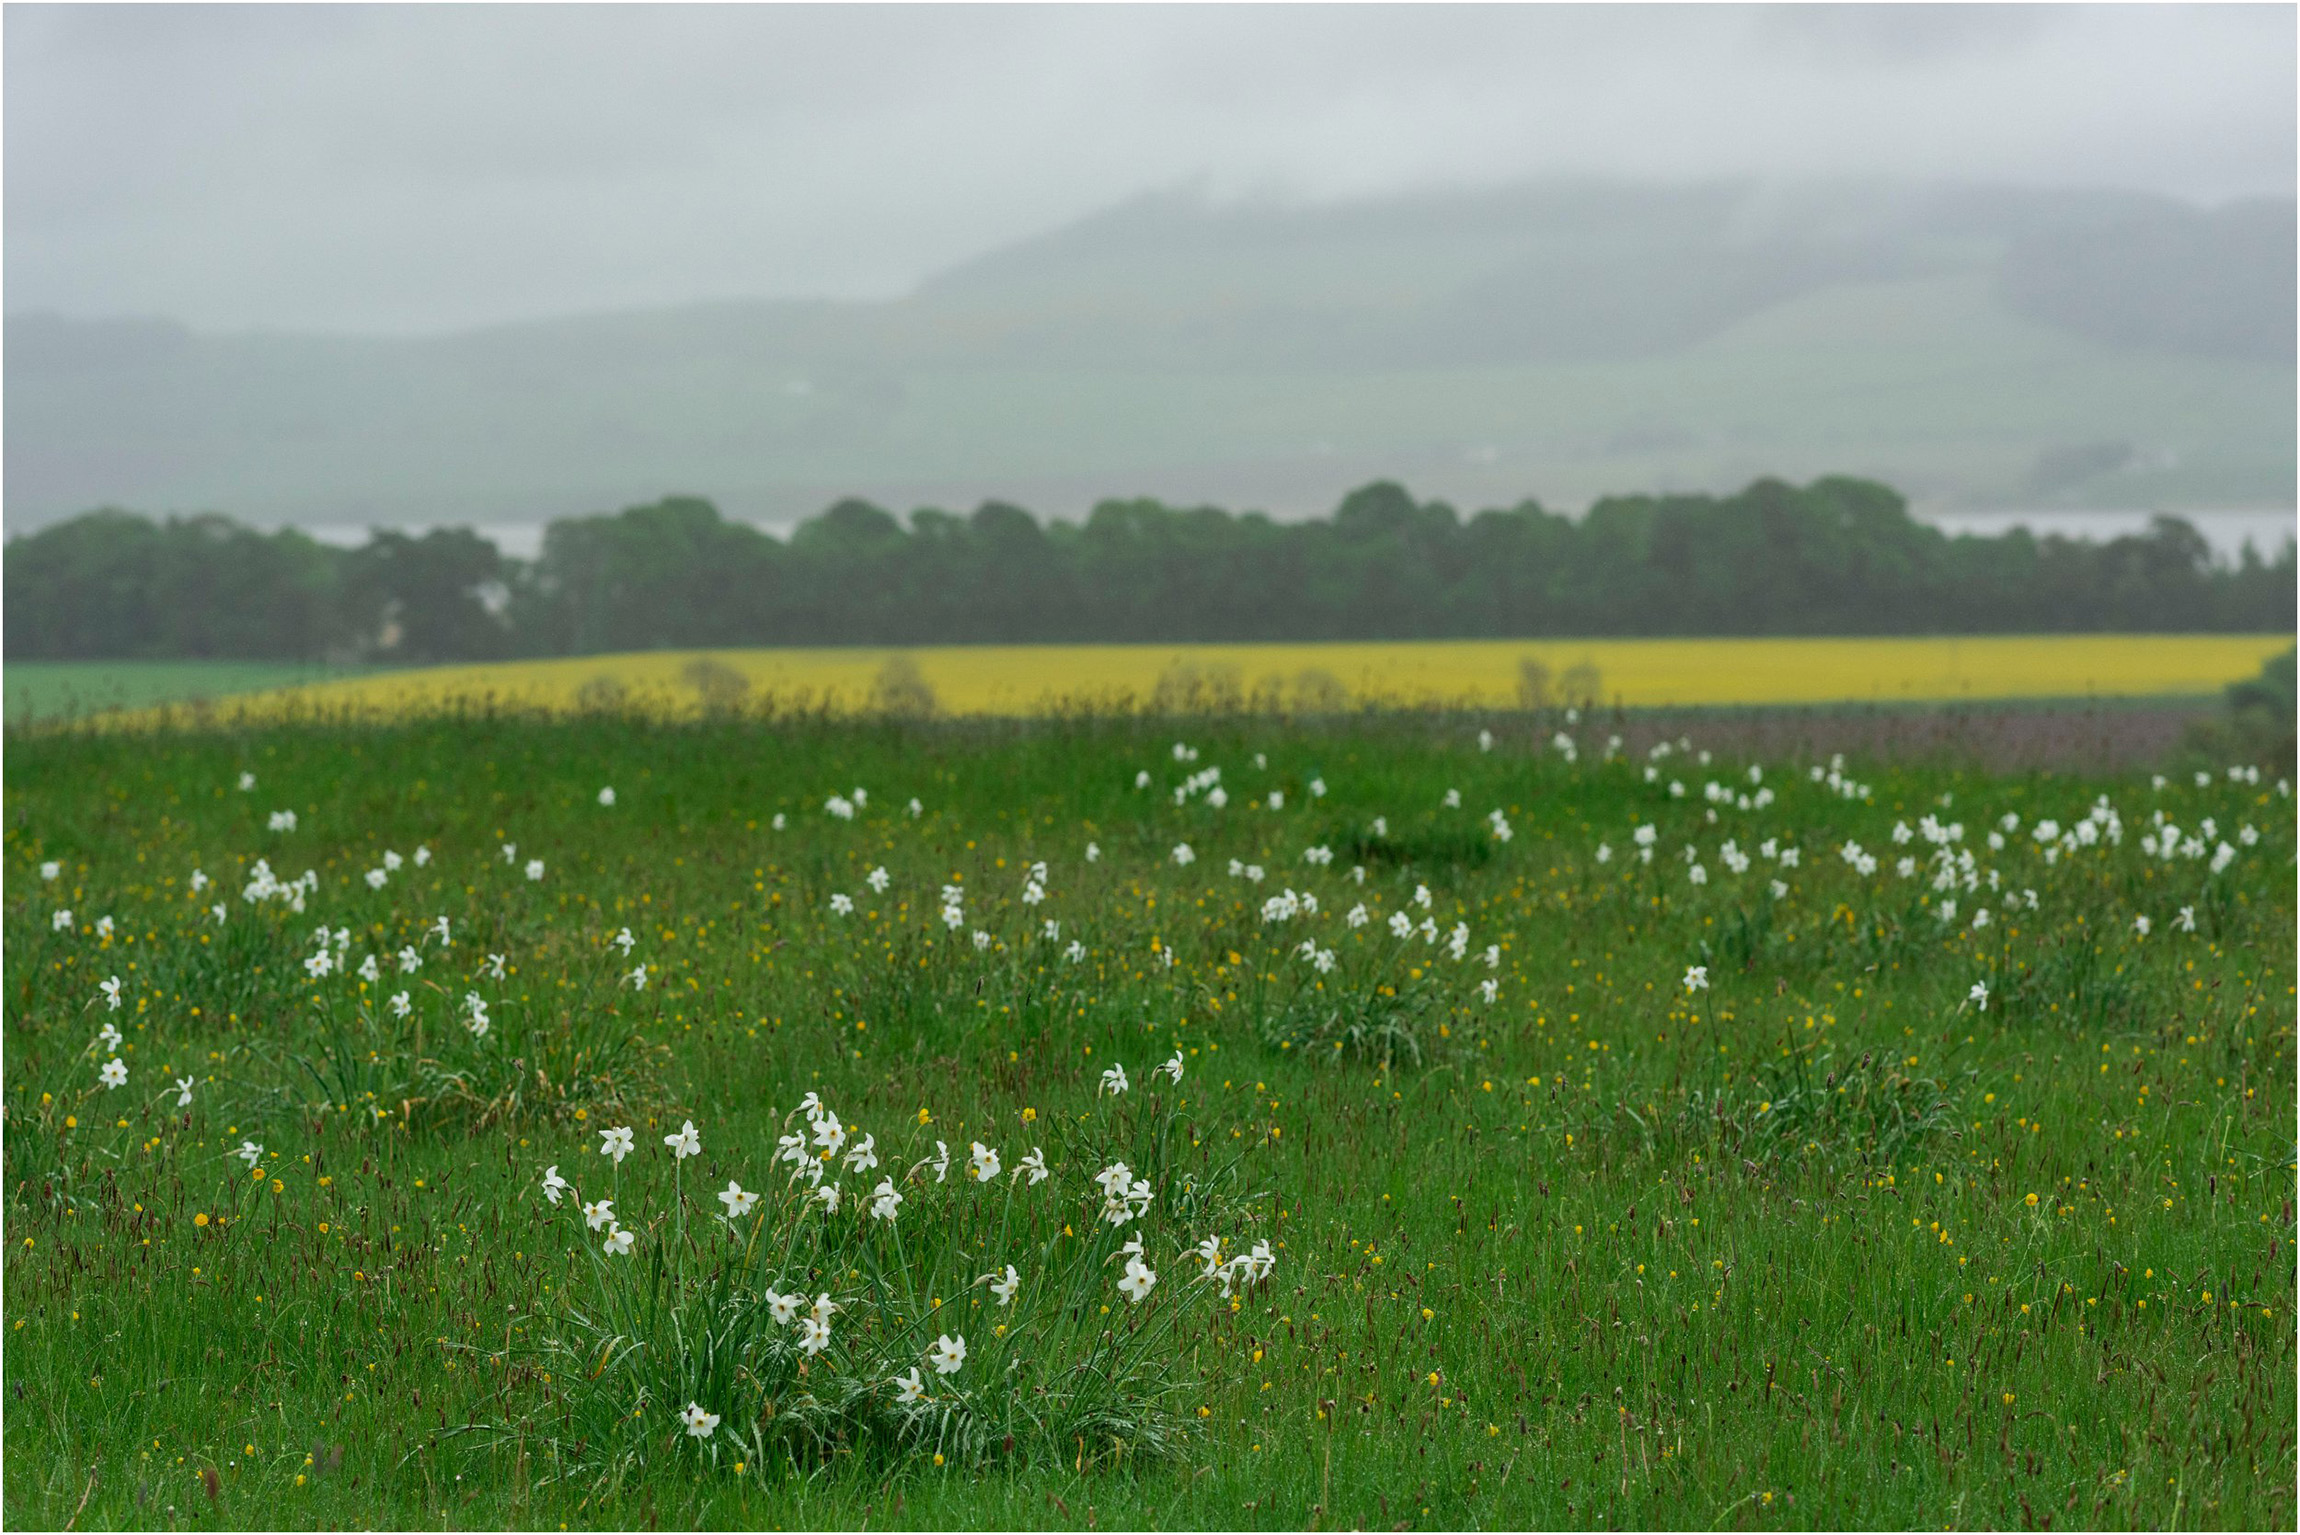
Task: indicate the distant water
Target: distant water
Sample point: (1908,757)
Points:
(2226,531)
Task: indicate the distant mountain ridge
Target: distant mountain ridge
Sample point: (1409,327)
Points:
(1564,339)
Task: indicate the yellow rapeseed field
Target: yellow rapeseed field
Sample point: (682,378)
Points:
(1028,679)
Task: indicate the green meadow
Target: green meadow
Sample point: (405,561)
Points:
(47,691)
(1437,1130)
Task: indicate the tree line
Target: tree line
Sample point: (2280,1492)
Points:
(1839,556)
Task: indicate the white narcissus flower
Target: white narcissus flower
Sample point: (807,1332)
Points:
(878,879)
(982,1165)
(250,1153)
(947,1354)
(400,1005)
(111,990)
(1182,854)
(1114,1081)
(1004,1288)
(941,1162)
(52,868)
(738,1200)
(908,1388)
(607,797)
(600,1215)
(114,1073)
(699,1423)
(1210,1253)
(1033,1166)
(1979,995)
(619,1243)
(862,1156)
(1173,1066)
(616,1143)
(830,1195)
(794,1151)
(783,1308)
(885,1200)
(1259,1262)
(684,1142)
(842,905)
(534,868)
(553,1184)
(1137,1281)
(1696,978)
(183,1092)
(814,1335)
(829,1133)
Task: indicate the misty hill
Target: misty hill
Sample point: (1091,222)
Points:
(1978,346)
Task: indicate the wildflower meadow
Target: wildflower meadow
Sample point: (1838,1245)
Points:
(1401,1119)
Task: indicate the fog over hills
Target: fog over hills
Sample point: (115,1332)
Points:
(1977,346)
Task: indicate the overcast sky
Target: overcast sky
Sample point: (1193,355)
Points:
(419,168)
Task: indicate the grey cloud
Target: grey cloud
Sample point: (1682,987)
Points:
(425,167)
